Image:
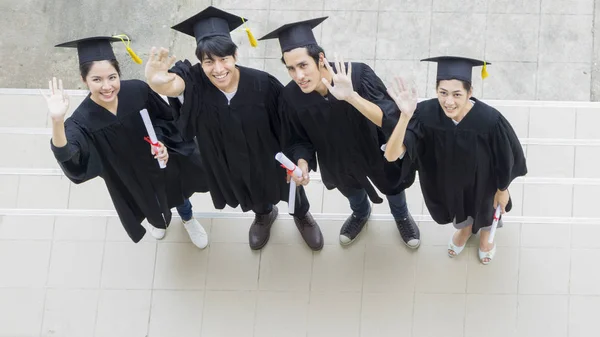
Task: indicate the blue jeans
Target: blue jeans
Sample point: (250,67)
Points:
(185,210)
(360,204)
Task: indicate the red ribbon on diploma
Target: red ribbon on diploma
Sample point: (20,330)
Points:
(150,141)
(289,172)
(156,145)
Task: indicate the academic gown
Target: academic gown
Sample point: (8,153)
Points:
(346,143)
(100,143)
(238,140)
(461,166)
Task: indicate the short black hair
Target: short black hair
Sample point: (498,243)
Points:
(84,68)
(219,46)
(466,85)
(313,51)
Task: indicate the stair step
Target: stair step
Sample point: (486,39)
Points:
(94,213)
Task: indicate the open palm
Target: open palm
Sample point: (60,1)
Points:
(342,87)
(157,67)
(404,96)
(57,100)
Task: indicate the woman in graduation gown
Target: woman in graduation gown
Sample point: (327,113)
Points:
(467,154)
(232,111)
(105,137)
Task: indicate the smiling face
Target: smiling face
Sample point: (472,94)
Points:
(104,82)
(303,69)
(454,98)
(217,55)
(221,72)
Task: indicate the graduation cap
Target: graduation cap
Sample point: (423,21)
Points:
(213,22)
(99,48)
(296,34)
(459,68)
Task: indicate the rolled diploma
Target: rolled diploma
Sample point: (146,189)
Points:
(151,134)
(285,161)
(495,224)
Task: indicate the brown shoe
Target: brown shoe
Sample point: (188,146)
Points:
(310,231)
(260,230)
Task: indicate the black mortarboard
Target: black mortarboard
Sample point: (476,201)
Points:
(455,67)
(96,48)
(296,34)
(210,22)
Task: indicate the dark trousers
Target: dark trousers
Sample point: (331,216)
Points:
(301,206)
(360,204)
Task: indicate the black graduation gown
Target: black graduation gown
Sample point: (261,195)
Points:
(346,143)
(238,140)
(113,148)
(461,166)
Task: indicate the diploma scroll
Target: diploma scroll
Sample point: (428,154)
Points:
(151,135)
(292,169)
(495,224)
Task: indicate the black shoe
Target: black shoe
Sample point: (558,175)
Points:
(411,235)
(310,231)
(352,228)
(260,230)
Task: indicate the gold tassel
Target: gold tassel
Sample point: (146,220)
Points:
(135,58)
(251,38)
(484,72)
(133,55)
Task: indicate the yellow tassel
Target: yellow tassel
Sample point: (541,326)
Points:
(135,58)
(484,72)
(251,38)
(133,55)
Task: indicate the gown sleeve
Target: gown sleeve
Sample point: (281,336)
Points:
(186,113)
(413,141)
(413,138)
(79,159)
(507,154)
(165,127)
(272,106)
(157,107)
(295,142)
(372,89)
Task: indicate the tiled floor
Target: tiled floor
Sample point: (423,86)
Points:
(70,276)
(79,276)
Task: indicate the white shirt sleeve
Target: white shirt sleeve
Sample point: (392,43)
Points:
(384,146)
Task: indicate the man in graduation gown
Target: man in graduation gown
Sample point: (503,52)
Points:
(232,112)
(338,123)
(465,151)
(106,139)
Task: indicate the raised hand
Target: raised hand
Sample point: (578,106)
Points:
(342,80)
(157,67)
(57,100)
(404,96)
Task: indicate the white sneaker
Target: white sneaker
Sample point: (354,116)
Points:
(157,233)
(197,233)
